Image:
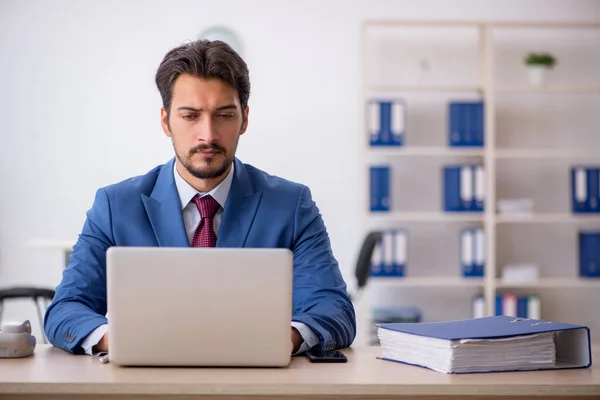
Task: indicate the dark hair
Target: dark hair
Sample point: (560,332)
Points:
(203,59)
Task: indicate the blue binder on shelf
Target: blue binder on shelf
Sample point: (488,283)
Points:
(390,254)
(466,124)
(589,254)
(522,302)
(472,252)
(464,188)
(571,342)
(585,189)
(380,188)
(387,122)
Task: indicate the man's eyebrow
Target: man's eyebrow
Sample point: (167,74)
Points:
(225,107)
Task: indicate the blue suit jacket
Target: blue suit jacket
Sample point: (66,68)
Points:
(261,211)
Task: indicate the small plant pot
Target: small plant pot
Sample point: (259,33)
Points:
(537,74)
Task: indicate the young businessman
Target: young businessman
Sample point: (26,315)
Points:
(204,197)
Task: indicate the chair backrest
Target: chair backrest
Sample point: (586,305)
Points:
(363,264)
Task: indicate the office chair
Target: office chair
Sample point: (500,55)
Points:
(363,263)
(28,293)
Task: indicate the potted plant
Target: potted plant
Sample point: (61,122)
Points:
(538,64)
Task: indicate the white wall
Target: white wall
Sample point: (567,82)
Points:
(79,108)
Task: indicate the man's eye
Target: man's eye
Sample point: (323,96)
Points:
(225,116)
(189,117)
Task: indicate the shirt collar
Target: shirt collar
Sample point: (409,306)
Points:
(187,192)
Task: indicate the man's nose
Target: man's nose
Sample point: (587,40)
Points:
(206,130)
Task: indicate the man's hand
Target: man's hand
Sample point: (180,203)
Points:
(102,345)
(296,340)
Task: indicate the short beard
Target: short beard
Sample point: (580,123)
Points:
(208,173)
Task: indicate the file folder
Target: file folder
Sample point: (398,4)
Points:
(465,124)
(479,124)
(479,187)
(386,122)
(589,254)
(397,122)
(467,239)
(400,251)
(374,123)
(479,306)
(464,188)
(534,307)
(467,181)
(579,189)
(522,307)
(571,344)
(592,186)
(472,252)
(452,195)
(509,305)
(479,252)
(380,188)
(389,255)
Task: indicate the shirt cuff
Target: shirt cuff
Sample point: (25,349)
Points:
(310,338)
(93,339)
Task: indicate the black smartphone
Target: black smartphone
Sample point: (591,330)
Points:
(326,356)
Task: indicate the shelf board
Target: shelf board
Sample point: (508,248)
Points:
(401,151)
(551,90)
(427,216)
(422,88)
(547,218)
(426,282)
(546,153)
(551,283)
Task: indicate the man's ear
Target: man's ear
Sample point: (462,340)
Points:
(245,124)
(164,122)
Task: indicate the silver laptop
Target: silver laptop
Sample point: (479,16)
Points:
(170,306)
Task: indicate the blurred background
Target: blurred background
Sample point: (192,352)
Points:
(80,110)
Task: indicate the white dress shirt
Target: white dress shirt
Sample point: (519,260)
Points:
(191,219)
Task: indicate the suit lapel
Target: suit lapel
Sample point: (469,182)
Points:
(164,210)
(240,209)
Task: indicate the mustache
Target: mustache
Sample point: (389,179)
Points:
(203,147)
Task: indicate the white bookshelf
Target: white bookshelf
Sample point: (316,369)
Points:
(431,282)
(487,48)
(577,283)
(427,217)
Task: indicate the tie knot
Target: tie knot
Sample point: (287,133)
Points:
(207,206)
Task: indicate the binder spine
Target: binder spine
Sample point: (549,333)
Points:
(374,123)
(380,188)
(579,189)
(479,123)
(467,197)
(479,187)
(452,183)
(589,254)
(466,253)
(455,125)
(397,123)
(592,194)
(400,251)
(479,253)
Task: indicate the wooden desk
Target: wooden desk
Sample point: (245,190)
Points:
(52,374)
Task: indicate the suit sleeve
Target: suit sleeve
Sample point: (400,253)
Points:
(79,306)
(320,299)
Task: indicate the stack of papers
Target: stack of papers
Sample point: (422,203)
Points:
(489,344)
(515,206)
(470,355)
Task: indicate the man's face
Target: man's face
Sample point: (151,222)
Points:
(205,123)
